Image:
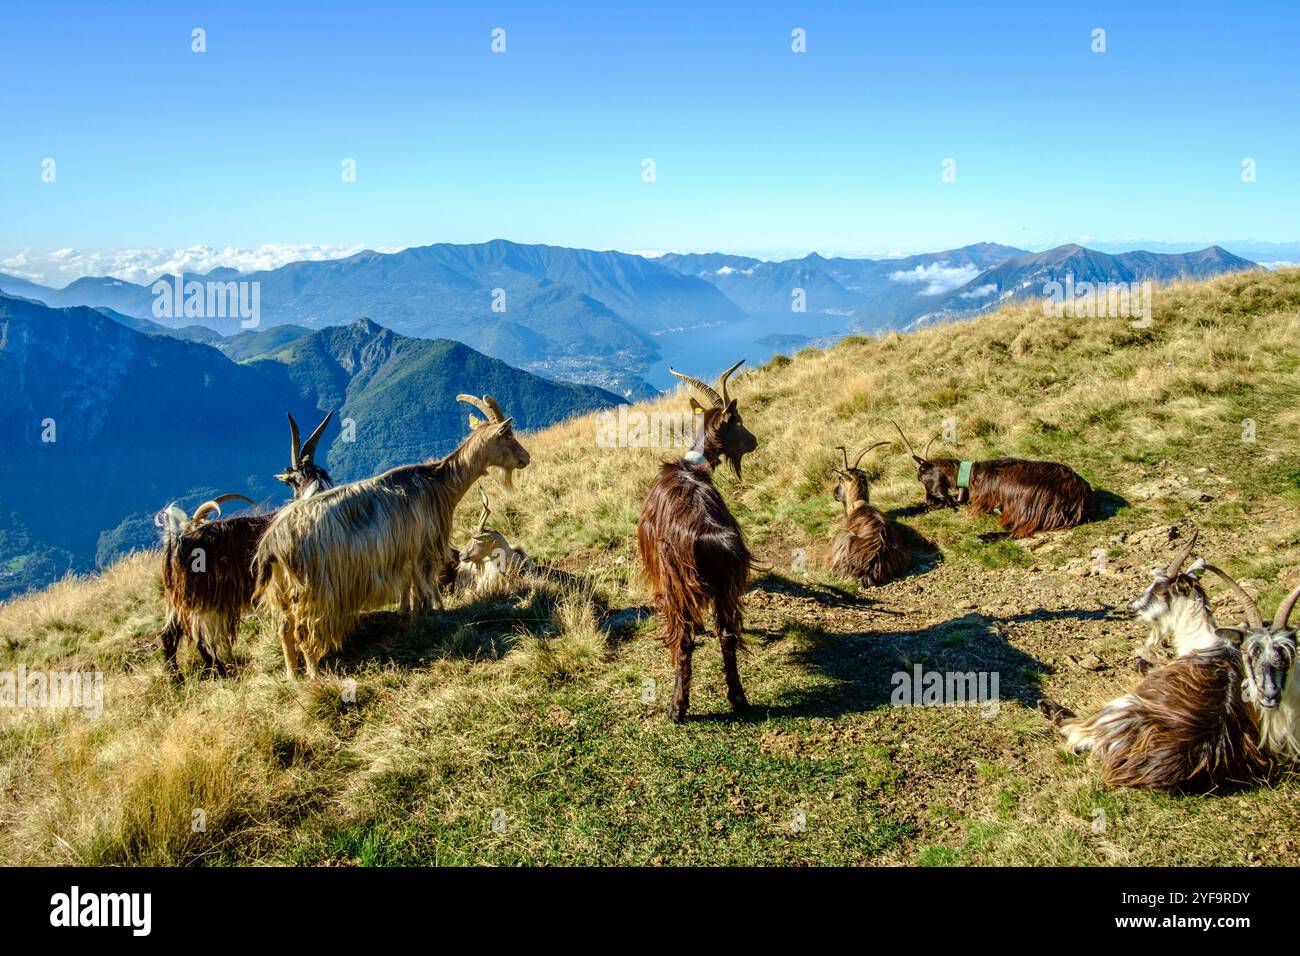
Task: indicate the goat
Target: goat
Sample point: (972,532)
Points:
(1268,655)
(1028,496)
(871,548)
(327,558)
(207,564)
(1176,608)
(1187,726)
(487,555)
(693,553)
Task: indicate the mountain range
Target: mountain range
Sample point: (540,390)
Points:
(605,318)
(103,424)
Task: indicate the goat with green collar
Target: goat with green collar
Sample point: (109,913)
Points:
(1027,496)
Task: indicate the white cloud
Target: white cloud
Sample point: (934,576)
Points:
(59,267)
(980,292)
(728,270)
(937,278)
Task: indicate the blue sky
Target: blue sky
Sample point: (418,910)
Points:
(757,149)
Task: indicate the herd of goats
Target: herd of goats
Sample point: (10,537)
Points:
(1220,711)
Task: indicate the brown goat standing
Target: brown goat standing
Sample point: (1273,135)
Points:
(207,565)
(871,548)
(693,552)
(1028,496)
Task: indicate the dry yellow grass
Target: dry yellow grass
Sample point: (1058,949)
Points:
(515,728)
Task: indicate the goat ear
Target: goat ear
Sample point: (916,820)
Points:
(731,408)
(504,426)
(1233,635)
(696,408)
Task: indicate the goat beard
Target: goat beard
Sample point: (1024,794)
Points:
(734,463)
(508,478)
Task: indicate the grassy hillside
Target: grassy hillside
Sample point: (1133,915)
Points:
(518,728)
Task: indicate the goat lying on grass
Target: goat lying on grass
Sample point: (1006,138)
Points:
(327,558)
(1187,726)
(1027,496)
(488,555)
(207,564)
(871,548)
(692,550)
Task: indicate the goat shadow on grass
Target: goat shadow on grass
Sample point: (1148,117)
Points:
(483,629)
(861,665)
(1109,504)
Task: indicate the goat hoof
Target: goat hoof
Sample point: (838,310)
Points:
(1052,710)
(677,715)
(738,702)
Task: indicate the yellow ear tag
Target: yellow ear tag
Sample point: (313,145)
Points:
(699,410)
(474,421)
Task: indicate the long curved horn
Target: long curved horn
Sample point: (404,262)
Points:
(487,510)
(1181,557)
(208,507)
(1284,609)
(699,386)
(722,382)
(477,403)
(309,448)
(295,443)
(865,450)
(492,405)
(905,441)
(846,456)
(1252,610)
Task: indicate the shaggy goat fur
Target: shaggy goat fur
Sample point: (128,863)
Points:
(1027,496)
(207,564)
(693,553)
(326,559)
(871,548)
(1187,725)
(1268,657)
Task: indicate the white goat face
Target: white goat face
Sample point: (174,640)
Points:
(479,548)
(1267,656)
(1166,596)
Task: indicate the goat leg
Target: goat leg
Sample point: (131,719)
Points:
(170,637)
(289,642)
(729,637)
(1053,711)
(682,649)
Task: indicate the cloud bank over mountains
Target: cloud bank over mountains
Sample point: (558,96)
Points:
(58,267)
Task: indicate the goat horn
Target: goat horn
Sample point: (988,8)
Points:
(487,510)
(703,389)
(477,403)
(1181,557)
(205,509)
(1284,609)
(1252,611)
(905,441)
(295,443)
(491,403)
(865,450)
(846,456)
(722,381)
(309,449)
(926,454)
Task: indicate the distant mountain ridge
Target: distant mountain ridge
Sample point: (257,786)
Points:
(1028,276)
(605,318)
